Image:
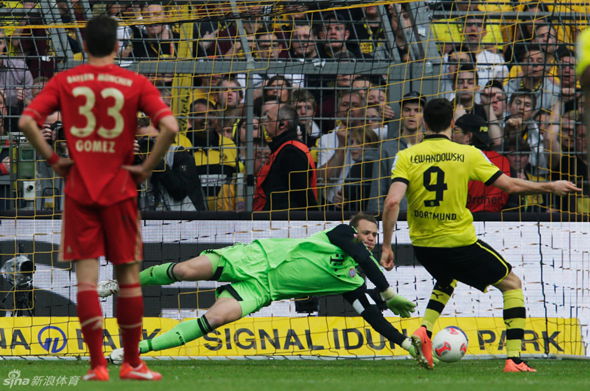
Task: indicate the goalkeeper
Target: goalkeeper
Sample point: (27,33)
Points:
(265,270)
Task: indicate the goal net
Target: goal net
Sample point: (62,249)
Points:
(358,73)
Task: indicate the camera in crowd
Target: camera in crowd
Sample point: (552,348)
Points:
(57,132)
(146,145)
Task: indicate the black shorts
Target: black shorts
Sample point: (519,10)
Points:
(477,265)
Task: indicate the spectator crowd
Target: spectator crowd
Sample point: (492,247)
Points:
(319,141)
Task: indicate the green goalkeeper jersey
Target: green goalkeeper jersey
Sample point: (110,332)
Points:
(322,264)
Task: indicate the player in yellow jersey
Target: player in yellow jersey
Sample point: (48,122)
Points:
(434,176)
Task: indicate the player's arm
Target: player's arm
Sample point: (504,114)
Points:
(344,236)
(522,186)
(484,170)
(45,103)
(391,208)
(364,305)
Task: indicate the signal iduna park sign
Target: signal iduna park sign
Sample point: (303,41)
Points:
(550,257)
(282,336)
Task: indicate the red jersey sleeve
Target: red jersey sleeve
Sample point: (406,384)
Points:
(151,103)
(45,103)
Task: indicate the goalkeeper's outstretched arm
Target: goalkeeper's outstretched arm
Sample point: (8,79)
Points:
(344,236)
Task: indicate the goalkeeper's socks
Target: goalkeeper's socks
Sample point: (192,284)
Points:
(514,318)
(158,275)
(129,316)
(438,300)
(179,335)
(90,316)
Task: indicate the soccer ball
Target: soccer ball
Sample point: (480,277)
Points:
(116,356)
(450,344)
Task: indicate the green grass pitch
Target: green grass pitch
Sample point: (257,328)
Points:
(339,375)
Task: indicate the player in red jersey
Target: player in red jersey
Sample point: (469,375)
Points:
(99,102)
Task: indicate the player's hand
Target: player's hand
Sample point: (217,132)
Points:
(398,304)
(47,133)
(387,257)
(561,188)
(62,166)
(138,172)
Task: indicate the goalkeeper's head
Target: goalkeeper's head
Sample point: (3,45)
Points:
(366,227)
(100,36)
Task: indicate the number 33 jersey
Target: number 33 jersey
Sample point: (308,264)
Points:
(99,106)
(437,172)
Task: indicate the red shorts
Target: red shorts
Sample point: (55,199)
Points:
(93,231)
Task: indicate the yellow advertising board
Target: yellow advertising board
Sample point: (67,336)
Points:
(303,336)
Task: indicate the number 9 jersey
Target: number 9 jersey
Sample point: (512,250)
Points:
(437,172)
(99,106)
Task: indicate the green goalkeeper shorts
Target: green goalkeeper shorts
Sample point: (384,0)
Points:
(250,294)
(239,262)
(245,266)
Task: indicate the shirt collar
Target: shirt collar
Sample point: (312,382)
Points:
(435,136)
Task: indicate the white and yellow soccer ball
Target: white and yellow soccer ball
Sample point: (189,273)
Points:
(116,356)
(450,344)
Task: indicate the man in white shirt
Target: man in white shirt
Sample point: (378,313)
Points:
(490,65)
(334,158)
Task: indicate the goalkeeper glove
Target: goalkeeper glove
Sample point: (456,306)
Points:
(398,304)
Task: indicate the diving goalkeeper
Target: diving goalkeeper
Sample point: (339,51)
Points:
(265,270)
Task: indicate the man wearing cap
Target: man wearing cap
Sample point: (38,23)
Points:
(411,128)
(472,130)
